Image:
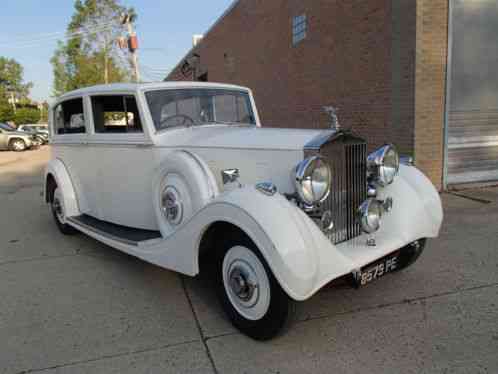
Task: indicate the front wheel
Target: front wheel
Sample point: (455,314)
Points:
(249,293)
(410,254)
(17,145)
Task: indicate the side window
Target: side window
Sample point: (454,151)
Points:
(116,114)
(233,108)
(69,117)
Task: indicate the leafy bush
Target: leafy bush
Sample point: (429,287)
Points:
(6,112)
(26,116)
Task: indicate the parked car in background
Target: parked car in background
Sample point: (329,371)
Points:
(17,141)
(183,175)
(41,131)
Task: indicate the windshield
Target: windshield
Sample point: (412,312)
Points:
(194,107)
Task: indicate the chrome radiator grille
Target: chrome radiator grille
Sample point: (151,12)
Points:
(347,159)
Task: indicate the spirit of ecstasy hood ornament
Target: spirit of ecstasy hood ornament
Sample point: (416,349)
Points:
(332,112)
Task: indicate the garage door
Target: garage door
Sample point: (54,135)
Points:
(472,109)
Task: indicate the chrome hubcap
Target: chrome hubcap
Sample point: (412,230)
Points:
(241,285)
(58,207)
(18,146)
(246,283)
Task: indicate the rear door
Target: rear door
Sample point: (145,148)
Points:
(125,161)
(70,145)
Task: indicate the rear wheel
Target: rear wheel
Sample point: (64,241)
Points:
(17,145)
(57,207)
(249,293)
(38,141)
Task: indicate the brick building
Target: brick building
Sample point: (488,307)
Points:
(386,64)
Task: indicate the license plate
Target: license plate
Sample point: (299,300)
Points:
(378,269)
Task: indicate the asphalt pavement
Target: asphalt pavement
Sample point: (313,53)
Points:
(74,305)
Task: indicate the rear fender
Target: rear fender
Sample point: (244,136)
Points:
(58,170)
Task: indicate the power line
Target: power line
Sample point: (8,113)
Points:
(51,35)
(151,77)
(35,41)
(158,70)
(158,75)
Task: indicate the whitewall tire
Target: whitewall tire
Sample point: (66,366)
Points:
(246,283)
(249,293)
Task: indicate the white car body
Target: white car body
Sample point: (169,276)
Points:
(118,178)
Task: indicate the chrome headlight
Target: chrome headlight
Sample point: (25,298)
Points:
(370,214)
(383,164)
(313,179)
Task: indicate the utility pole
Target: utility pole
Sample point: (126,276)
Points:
(13,98)
(106,65)
(132,44)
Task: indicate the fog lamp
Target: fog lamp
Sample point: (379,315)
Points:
(383,164)
(370,214)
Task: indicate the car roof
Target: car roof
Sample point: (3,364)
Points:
(127,87)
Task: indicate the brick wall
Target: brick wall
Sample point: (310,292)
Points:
(430,86)
(381,62)
(344,61)
(403,44)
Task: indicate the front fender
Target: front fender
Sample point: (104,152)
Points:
(291,243)
(417,210)
(301,257)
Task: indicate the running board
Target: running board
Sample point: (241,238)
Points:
(123,234)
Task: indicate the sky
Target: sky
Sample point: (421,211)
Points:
(164,28)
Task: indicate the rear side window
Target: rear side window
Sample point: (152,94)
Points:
(69,117)
(116,114)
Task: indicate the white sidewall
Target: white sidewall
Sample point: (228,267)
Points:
(256,308)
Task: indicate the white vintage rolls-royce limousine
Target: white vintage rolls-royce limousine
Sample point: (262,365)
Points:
(182,175)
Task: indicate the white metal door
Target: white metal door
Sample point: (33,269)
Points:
(472,97)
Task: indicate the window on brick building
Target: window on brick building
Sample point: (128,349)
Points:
(299,28)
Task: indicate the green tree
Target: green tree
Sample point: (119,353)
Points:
(12,80)
(26,115)
(6,111)
(91,54)
(44,112)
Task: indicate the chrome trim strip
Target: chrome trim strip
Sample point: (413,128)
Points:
(320,140)
(77,223)
(91,144)
(227,148)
